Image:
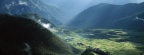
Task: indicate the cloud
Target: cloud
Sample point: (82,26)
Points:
(46,25)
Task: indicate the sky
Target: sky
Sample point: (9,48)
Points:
(71,8)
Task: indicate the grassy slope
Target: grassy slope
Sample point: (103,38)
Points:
(115,41)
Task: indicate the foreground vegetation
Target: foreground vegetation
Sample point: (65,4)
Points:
(114,41)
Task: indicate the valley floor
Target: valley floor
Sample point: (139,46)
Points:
(114,41)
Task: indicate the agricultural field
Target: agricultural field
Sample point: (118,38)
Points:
(114,41)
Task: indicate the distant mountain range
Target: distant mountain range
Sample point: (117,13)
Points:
(107,15)
(48,11)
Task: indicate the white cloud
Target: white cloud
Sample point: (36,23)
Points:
(46,25)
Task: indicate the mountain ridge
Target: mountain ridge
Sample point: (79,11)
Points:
(99,15)
(49,12)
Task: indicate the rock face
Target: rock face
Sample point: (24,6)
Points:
(21,36)
(48,11)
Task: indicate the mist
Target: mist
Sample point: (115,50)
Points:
(71,8)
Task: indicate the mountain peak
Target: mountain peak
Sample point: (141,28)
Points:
(49,12)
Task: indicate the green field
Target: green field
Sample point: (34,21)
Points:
(114,41)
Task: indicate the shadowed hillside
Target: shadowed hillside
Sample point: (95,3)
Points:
(21,36)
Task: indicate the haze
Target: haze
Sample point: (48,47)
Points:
(71,8)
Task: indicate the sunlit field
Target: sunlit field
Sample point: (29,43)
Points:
(114,41)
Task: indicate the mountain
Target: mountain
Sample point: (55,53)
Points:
(135,22)
(102,15)
(48,11)
(23,36)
